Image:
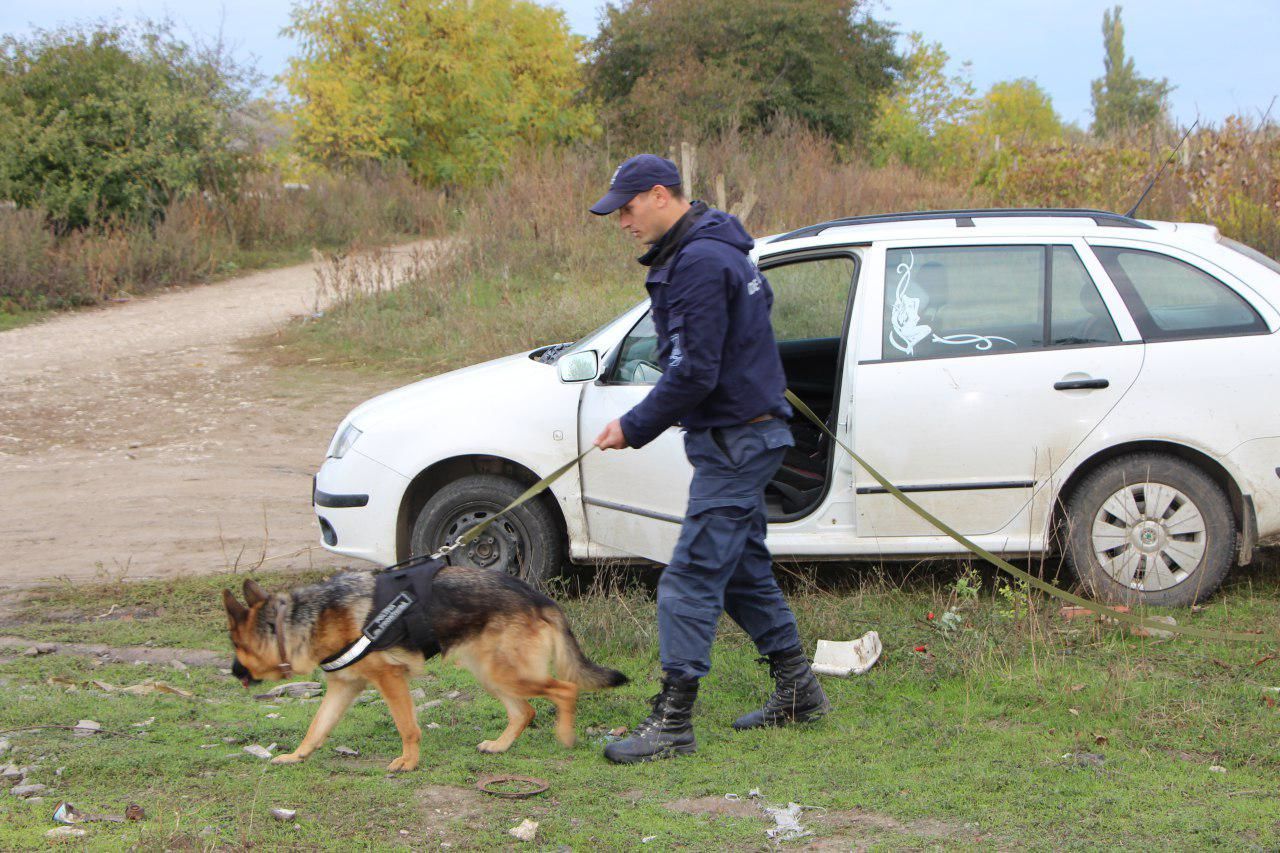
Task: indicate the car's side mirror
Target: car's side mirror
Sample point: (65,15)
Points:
(578,366)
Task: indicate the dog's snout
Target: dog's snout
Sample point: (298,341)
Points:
(242,673)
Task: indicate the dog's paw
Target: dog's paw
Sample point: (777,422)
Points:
(288,758)
(567,741)
(403,764)
(491,746)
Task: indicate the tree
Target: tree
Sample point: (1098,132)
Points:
(666,67)
(1121,99)
(447,86)
(109,122)
(924,111)
(1017,111)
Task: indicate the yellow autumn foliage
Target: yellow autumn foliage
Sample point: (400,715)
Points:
(447,86)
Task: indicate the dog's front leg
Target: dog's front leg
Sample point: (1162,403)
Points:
(394,684)
(337,699)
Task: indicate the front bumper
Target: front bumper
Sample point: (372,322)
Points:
(357,502)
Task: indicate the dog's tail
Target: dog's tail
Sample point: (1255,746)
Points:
(571,664)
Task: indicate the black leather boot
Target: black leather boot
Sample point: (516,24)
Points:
(667,731)
(797,696)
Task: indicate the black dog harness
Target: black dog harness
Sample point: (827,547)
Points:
(400,598)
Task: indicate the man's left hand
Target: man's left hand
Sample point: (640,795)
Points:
(611,437)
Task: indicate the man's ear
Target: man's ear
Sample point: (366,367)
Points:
(235,610)
(253,594)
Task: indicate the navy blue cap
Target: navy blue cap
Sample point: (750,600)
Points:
(639,174)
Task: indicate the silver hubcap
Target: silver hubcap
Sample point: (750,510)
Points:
(1149,536)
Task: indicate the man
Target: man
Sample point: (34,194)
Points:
(723,382)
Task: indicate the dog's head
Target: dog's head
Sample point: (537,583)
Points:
(257,655)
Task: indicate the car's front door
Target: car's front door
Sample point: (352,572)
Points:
(635,500)
(994,363)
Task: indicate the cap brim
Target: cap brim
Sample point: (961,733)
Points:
(611,201)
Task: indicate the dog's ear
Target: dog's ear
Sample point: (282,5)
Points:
(253,594)
(235,610)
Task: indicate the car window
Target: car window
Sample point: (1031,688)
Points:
(810,296)
(963,300)
(1171,299)
(637,362)
(1077,313)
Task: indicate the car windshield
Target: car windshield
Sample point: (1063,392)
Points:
(588,340)
(1252,254)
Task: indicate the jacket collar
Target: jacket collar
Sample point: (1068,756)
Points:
(661,252)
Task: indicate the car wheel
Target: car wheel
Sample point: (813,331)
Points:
(525,542)
(1150,529)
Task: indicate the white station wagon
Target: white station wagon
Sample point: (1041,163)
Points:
(1042,380)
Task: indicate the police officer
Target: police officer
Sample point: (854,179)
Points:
(723,382)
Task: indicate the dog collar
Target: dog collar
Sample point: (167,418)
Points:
(286,668)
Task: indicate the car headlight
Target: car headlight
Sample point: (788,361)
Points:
(343,441)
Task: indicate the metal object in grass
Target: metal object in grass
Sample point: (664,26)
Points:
(531,786)
(1149,536)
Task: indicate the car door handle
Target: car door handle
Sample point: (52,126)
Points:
(1076,384)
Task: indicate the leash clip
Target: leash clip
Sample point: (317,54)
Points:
(445,549)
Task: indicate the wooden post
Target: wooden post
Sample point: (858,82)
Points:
(688,166)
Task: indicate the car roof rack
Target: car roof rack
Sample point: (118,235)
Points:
(964,218)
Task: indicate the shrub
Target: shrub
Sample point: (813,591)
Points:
(108,123)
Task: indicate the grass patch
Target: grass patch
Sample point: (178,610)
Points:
(14,319)
(960,745)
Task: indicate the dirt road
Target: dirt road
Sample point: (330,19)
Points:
(146,439)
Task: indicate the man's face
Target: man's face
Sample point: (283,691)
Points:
(645,216)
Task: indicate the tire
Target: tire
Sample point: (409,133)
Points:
(1150,529)
(526,542)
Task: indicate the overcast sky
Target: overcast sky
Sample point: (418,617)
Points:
(1222,57)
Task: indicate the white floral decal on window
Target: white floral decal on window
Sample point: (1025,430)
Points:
(907,329)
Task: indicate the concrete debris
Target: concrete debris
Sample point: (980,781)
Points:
(296,689)
(347,751)
(258,751)
(1085,759)
(843,659)
(1155,633)
(147,687)
(62,833)
(5,746)
(26,791)
(84,728)
(526,831)
(418,694)
(284,814)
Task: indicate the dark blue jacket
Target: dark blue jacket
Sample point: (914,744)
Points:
(715,342)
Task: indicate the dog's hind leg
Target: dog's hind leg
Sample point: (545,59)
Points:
(393,682)
(338,697)
(565,696)
(519,714)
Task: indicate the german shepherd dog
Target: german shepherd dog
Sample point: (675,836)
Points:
(504,632)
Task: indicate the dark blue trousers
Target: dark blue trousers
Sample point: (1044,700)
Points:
(720,561)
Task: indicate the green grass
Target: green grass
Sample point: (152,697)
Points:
(962,745)
(14,319)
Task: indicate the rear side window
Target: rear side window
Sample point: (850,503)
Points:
(1171,300)
(975,300)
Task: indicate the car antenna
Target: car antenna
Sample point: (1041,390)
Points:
(1134,210)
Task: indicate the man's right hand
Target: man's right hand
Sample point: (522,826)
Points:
(611,437)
